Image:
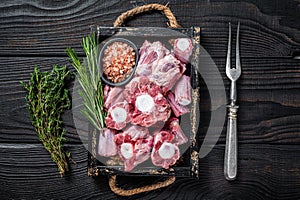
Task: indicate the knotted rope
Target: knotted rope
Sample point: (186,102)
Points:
(122,192)
(145,8)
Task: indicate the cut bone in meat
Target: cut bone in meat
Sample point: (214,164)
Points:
(183,91)
(118,116)
(134,146)
(145,103)
(167,72)
(138,86)
(106,145)
(183,48)
(112,95)
(150,106)
(150,54)
(177,108)
(126,150)
(165,152)
(174,127)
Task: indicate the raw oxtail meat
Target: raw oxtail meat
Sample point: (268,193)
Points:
(112,96)
(150,54)
(167,72)
(150,106)
(106,146)
(118,116)
(183,49)
(176,107)
(183,91)
(165,151)
(134,146)
(156,97)
(173,126)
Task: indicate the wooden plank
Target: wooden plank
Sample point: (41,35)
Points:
(265,172)
(268,91)
(44,28)
(31,31)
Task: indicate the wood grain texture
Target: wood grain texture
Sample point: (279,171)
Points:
(269,111)
(27,172)
(15,122)
(43,28)
(37,32)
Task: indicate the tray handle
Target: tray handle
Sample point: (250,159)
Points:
(145,8)
(122,192)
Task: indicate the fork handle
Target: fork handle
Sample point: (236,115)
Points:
(233,91)
(230,163)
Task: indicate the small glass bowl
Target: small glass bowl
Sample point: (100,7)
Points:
(126,80)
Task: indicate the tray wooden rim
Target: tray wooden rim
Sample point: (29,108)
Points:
(94,169)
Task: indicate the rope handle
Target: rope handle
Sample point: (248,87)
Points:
(119,191)
(145,8)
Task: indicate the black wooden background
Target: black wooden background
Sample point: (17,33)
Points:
(36,32)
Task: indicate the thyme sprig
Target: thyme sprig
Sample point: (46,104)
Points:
(47,99)
(89,78)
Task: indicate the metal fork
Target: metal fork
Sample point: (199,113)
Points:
(230,163)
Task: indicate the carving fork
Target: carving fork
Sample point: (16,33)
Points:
(230,162)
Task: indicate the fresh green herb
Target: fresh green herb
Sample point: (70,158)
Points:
(89,78)
(47,99)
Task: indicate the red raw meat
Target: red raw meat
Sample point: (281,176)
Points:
(106,145)
(167,72)
(147,100)
(150,106)
(118,116)
(177,108)
(112,96)
(183,49)
(165,152)
(134,146)
(173,126)
(150,54)
(183,91)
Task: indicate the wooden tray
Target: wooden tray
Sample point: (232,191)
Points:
(188,163)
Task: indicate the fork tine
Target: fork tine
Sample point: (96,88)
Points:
(237,51)
(228,51)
